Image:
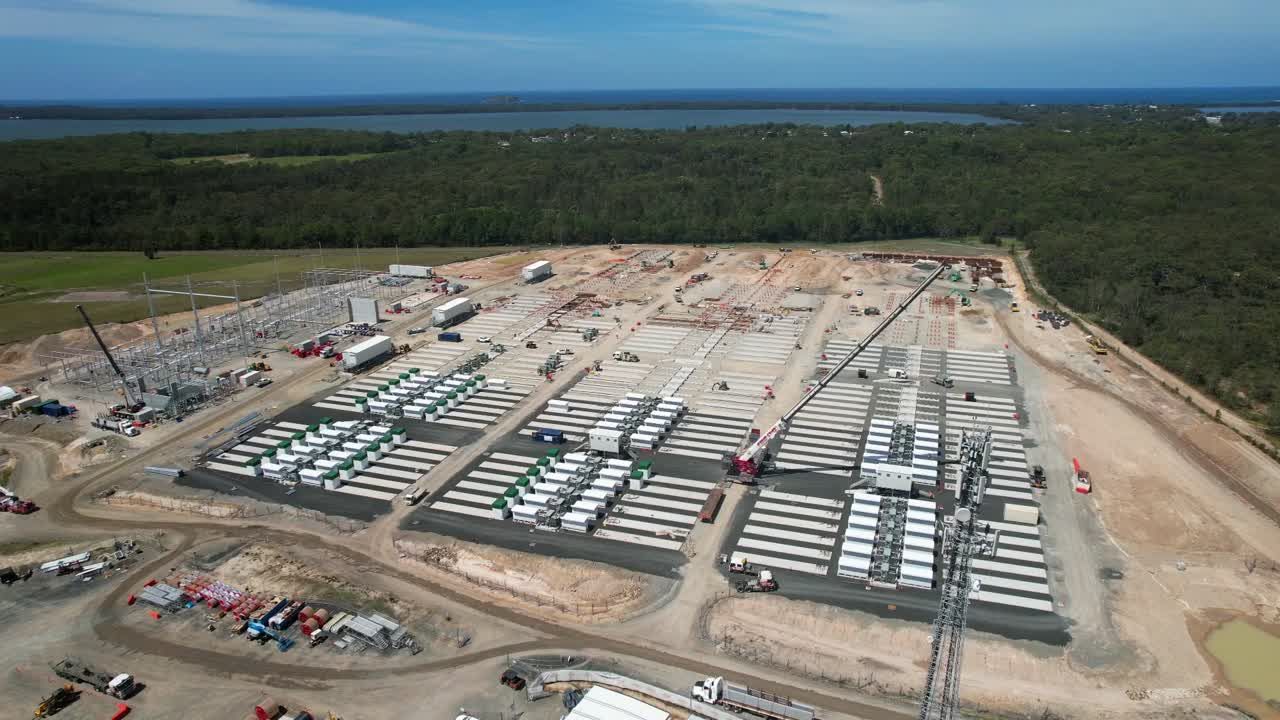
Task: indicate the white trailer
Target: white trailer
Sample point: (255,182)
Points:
(451,312)
(416,271)
(534,272)
(717,691)
(367,351)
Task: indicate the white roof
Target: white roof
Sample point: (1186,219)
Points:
(536,265)
(371,342)
(454,303)
(7,392)
(601,703)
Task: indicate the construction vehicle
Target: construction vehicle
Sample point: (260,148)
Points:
(944,381)
(871,311)
(259,632)
(763,583)
(718,691)
(13,504)
(751,462)
(1013,306)
(625,356)
(1080,478)
(57,702)
(9,576)
(120,685)
(124,381)
(511,679)
(720,385)
(1095,345)
(1037,477)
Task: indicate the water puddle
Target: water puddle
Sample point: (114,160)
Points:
(1250,658)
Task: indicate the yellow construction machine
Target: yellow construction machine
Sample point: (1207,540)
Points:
(54,704)
(1096,345)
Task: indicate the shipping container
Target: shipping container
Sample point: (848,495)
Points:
(365,352)
(536,271)
(451,312)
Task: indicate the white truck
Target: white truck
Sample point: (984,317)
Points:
(452,312)
(718,691)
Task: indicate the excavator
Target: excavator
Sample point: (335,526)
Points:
(752,461)
(55,703)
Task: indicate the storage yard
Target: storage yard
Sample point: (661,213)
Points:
(401,448)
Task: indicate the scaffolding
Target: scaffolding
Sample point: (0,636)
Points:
(173,370)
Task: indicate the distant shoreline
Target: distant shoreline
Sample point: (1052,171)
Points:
(88,112)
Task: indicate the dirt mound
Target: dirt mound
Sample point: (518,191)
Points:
(585,589)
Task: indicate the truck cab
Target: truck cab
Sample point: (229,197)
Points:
(121,686)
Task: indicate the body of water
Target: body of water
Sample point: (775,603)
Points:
(1248,655)
(974,96)
(501,122)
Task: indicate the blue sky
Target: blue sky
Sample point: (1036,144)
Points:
(57,49)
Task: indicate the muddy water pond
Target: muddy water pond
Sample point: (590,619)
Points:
(1250,658)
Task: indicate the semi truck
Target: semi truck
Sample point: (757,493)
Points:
(119,685)
(718,691)
(452,312)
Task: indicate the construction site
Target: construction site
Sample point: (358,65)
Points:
(640,481)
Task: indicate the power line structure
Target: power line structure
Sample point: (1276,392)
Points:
(964,537)
(173,368)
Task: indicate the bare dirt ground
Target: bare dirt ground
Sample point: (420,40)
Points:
(584,591)
(1160,552)
(1182,549)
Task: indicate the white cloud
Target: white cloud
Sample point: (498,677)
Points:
(238,26)
(1021,24)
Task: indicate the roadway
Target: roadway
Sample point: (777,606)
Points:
(70,510)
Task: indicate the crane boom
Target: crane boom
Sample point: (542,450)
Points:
(124,383)
(750,461)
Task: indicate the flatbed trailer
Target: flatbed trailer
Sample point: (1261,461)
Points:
(118,685)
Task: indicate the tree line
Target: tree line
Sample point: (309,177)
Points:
(1161,227)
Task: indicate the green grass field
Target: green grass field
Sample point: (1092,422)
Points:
(32,283)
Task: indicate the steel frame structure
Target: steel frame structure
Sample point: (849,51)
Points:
(964,538)
(235,327)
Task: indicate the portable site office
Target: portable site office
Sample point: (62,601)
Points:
(589,507)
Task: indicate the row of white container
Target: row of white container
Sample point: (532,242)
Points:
(913,528)
(573,521)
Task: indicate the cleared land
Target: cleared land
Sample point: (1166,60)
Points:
(1159,554)
(34,287)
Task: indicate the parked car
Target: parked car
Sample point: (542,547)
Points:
(484,339)
(263,382)
(417,330)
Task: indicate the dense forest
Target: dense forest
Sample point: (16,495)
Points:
(1161,226)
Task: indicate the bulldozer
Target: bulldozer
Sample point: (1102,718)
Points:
(1096,345)
(55,703)
(625,356)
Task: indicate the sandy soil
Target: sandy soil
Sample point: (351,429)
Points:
(588,592)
